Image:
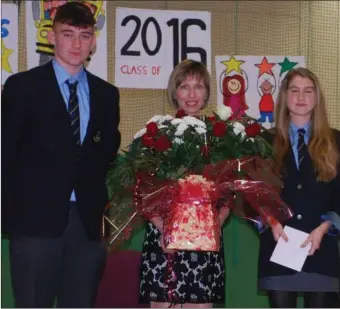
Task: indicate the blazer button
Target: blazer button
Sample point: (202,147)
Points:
(299,186)
(299,217)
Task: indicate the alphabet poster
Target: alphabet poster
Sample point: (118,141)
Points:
(9,40)
(39,18)
(249,84)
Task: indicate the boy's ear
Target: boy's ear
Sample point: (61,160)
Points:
(51,36)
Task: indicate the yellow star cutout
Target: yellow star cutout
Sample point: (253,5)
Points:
(233,65)
(5,53)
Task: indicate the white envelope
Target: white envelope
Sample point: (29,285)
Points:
(290,254)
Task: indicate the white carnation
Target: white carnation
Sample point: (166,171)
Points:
(178,141)
(224,112)
(179,133)
(167,118)
(160,119)
(239,128)
(140,133)
(177,121)
(155,118)
(182,127)
(193,121)
(200,130)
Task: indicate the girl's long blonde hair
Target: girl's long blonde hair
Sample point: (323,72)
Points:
(322,146)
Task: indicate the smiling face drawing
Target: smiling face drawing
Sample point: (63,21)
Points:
(234,86)
(266,87)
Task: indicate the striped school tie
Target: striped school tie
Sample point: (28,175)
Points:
(301,146)
(73,110)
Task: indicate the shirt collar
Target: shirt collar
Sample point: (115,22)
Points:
(62,75)
(294,128)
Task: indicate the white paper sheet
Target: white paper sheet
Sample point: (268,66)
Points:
(290,254)
(149,43)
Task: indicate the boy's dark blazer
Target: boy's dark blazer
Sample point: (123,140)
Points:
(41,164)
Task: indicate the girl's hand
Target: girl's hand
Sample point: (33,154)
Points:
(278,232)
(315,237)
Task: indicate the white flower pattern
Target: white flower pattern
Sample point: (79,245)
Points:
(200,275)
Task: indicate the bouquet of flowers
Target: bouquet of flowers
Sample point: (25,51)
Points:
(170,151)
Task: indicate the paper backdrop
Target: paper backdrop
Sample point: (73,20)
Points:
(9,40)
(39,16)
(249,84)
(150,43)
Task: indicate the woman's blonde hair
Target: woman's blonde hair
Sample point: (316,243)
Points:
(181,72)
(322,146)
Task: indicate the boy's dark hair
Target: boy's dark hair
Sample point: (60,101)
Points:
(76,14)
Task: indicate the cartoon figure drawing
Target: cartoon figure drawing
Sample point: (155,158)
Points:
(5,52)
(234,86)
(43,14)
(266,105)
(266,85)
(234,94)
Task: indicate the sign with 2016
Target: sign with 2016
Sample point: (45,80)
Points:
(150,43)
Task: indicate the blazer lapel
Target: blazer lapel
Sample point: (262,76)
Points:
(306,165)
(55,97)
(93,99)
(289,164)
(50,80)
(57,101)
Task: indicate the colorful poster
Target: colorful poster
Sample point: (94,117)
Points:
(9,40)
(249,84)
(150,43)
(39,17)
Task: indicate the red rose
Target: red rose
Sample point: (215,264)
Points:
(181,113)
(162,144)
(219,129)
(152,129)
(211,118)
(148,141)
(253,129)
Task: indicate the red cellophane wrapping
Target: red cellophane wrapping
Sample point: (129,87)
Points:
(250,188)
(192,220)
(189,206)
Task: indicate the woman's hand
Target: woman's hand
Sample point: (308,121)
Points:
(169,251)
(315,237)
(158,222)
(278,232)
(223,214)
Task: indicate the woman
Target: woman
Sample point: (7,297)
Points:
(306,153)
(200,275)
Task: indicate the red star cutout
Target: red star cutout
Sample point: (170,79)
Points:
(265,67)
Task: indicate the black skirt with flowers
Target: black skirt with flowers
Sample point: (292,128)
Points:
(199,275)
